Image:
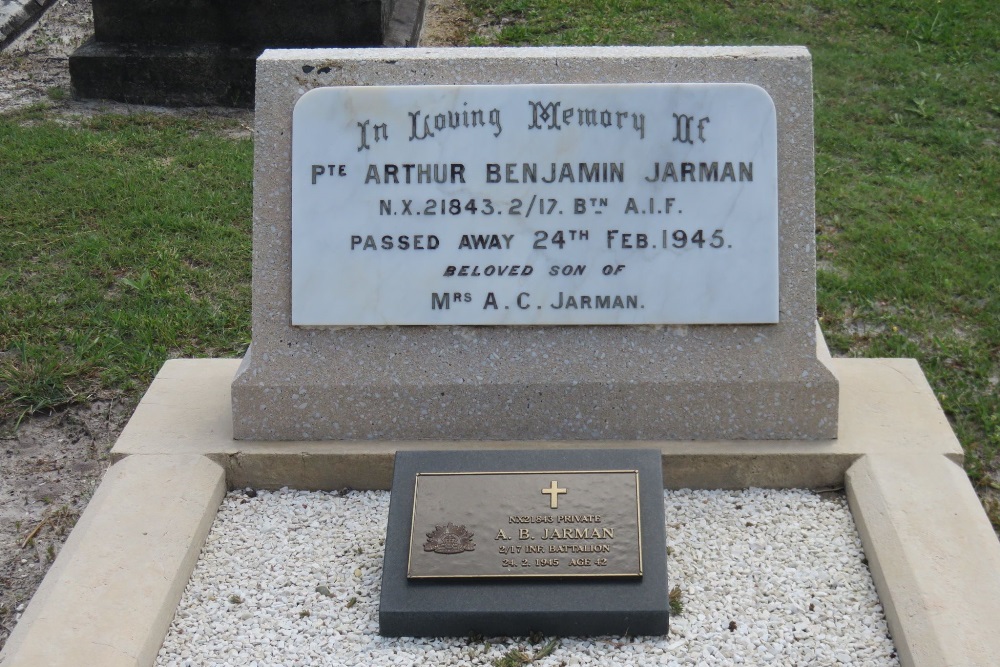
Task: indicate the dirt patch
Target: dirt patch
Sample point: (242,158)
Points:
(35,66)
(450,23)
(446,23)
(51,465)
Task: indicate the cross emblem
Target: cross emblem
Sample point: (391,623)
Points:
(553,492)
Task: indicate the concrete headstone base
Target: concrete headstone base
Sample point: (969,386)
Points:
(109,597)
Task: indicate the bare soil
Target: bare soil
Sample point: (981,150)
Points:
(35,66)
(446,23)
(51,465)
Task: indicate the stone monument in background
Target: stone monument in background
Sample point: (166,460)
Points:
(202,52)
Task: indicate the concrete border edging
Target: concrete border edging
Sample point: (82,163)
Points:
(933,555)
(110,596)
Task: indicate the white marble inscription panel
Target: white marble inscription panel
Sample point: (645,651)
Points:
(535,204)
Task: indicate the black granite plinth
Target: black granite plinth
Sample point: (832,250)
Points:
(203,75)
(552,606)
(203,52)
(251,23)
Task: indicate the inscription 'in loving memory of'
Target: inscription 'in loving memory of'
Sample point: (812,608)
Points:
(590,204)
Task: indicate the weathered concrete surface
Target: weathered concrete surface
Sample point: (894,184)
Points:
(111,594)
(886,407)
(934,557)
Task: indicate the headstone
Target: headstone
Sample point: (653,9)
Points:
(558,542)
(202,52)
(534,244)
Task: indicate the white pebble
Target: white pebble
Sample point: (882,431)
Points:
(278,574)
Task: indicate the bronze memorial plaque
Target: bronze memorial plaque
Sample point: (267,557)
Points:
(526,524)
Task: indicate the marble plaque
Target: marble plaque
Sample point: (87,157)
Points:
(526,524)
(535,204)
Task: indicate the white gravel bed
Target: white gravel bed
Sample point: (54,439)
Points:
(292,578)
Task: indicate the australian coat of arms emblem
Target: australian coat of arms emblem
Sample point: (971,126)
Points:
(449,539)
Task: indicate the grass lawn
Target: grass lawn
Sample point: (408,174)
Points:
(125,240)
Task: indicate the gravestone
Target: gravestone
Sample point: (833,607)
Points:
(534,244)
(202,52)
(531,245)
